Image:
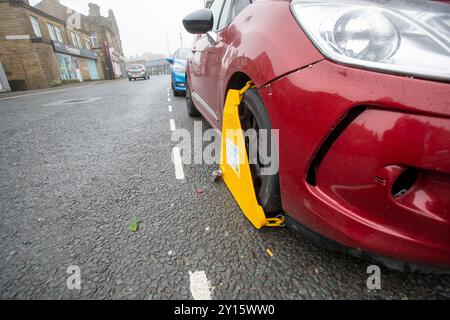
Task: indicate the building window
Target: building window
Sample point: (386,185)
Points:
(36,27)
(52,32)
(67,67)
(55,33)
(79,41)
(58,34)
(94,40)
(76,40)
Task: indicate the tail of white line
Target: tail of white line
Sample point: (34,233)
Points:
(172,125)
(199,285)
(176,158)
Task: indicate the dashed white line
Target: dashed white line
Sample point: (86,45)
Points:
(172,125)
(170,109)
(176,156)
(168,99)
(200,288)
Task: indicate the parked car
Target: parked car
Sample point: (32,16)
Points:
(360,94)
(178,70)
(137,71)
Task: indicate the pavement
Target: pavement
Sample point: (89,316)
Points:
(78,166)
(7,95)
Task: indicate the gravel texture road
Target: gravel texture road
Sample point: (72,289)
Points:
(78,166)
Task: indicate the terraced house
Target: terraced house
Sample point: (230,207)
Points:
(48,44)
(38,50)
(103,31)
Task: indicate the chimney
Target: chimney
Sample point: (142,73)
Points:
(94,10)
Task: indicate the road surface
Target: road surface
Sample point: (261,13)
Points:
(78,166)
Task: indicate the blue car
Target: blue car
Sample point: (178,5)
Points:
(178,76)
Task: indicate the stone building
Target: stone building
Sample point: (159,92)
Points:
(103,31)
(37,50)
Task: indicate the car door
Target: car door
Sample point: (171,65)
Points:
(205,67)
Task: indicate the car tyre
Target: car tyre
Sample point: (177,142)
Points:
(177,93)
(191,108)
(254,115)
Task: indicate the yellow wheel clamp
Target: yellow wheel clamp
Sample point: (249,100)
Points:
(235,166)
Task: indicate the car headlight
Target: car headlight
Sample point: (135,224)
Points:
(179,68)
(410,37)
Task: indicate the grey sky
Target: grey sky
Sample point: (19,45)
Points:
(143,23)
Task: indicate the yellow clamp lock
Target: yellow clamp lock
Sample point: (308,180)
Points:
(235,166)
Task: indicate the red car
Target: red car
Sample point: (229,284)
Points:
(359,91)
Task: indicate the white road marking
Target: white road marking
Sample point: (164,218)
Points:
(168,99)
(176,157)
(200,288)
(170,109)
(172,125)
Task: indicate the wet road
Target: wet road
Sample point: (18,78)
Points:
(77,166)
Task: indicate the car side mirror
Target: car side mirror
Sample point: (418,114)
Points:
(170,60)
(200,21)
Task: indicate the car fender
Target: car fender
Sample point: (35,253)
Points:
(265,49)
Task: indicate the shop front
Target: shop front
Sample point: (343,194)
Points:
(76,64)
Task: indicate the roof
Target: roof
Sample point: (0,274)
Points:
(20,3)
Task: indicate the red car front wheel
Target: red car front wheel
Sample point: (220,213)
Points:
(253,115)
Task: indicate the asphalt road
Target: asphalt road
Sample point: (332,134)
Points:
(74,175)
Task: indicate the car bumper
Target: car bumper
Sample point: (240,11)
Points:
(347,137)
(136,75)
(179,81)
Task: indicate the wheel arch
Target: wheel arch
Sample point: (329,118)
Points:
(237,81)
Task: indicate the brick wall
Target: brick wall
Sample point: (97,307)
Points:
(49,65)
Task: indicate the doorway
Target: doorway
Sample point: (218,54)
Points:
(93,70)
